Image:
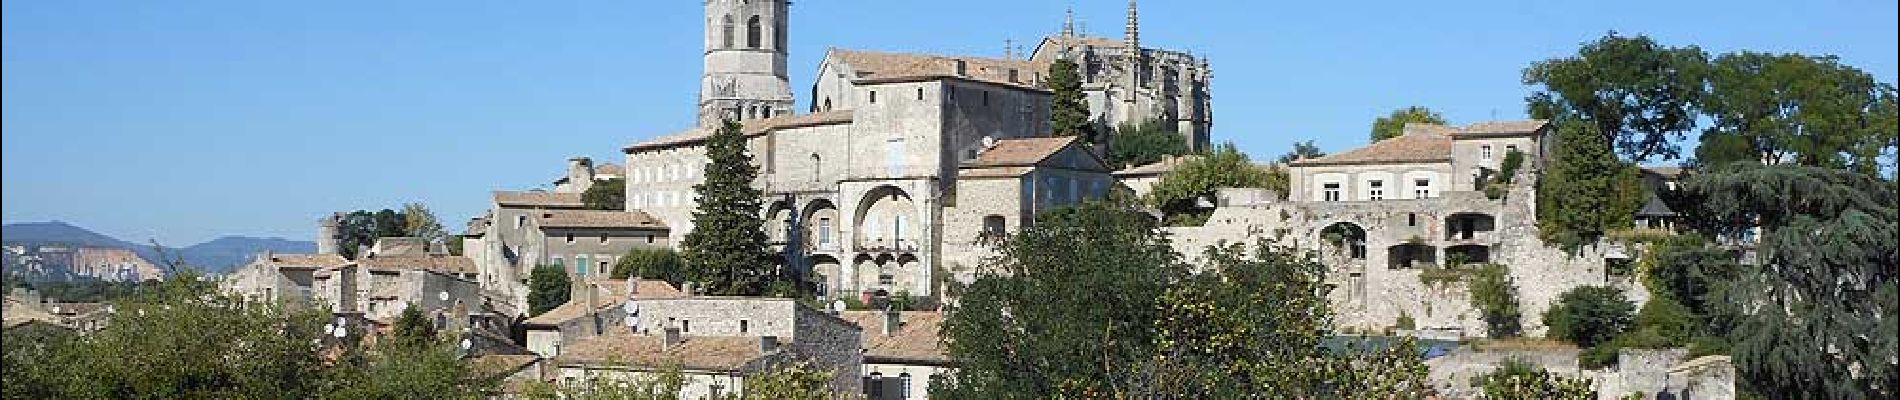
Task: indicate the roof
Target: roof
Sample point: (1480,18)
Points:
(538,199)
(610,169)
(1418,144)
(749,128)
(1667,172)
(1166,165)
(427,262)
(620,347)
(612,293)
(1655,207)
(916,338)
(1502,128)
(300,261)
(1021,152)
(874,66)
(597,219)
(16,313)
(501,365)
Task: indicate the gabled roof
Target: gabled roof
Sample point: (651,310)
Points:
(300,261)
(750,128)
(1167,164)
(1417,145)
(1502,128)
(425,262)
(610,169)
(915,339)
(875,66)
(1655,208)
(538,199)
(633,219)
(611,293)
(620,347)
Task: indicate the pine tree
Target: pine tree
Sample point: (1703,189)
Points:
(1069,113)
(726,252)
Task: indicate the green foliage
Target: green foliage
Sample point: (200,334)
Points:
(1585,192)
(407,370)
(548,287)
(1667,320)
(1392,125)
(1144,143)
(1405,322)
(1301,151)
(361,228)
(454,243)
(1068,109)
(1589,315)
(1633,93)
(1687,271)
(726,253)
(1516,380)
(1803,109)
(660,263)
(609,194)
(797,381)
(419,222)
(1180,191)
(1507,170)
(1814,314)
(1495,296)
(411,327)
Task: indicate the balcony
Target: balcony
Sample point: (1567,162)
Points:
(886,246)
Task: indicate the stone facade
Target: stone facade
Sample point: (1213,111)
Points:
(745,61)
(279,277)
(527,229)
(1126,83)
(718,341)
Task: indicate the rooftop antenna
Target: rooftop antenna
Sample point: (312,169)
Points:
(1009,45)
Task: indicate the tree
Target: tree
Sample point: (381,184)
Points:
(548,287)
(361,228)
(1585,190)
(1801,109)
(1180,191)
(1516,380)
(1301,150)
(1144,143)
(408,369)
(390,223)
(1813,315)
(418,222)
(726,252)
(650,263)
(1495,296)
(1392,125)
(610,194)
(1068,109)
(412,327)
(1638,95)
(1589,315)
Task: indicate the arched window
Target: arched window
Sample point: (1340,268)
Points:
(752,32)
(726,38)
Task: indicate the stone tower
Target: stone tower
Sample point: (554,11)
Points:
(329,237)
(745,61)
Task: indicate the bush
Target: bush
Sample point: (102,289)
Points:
(651,263)
(1496,298)
(1589,315)
(1519,380)
(1405,322)
(548,287)
(1667,319)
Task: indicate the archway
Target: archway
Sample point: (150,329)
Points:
(886,221)
(1468,253)
(1411,255)
(827,274)
(778,218)
(821,224)
(1345,238)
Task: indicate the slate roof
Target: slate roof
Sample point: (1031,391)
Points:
(427,262)
(1021,152)
(750,128)
(538,199)
(1655,208)
(597,219)
(620,347)
(876,66)
(915,339)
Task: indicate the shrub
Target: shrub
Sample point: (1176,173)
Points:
(1589,315)
(1518,380)
(651,263)
(1405,322)
(1495,296)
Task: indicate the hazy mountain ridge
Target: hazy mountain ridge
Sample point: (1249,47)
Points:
(219,255)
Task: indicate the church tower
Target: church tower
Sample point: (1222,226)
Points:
(745,61)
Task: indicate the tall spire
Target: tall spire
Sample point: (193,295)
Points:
(1132,34)
(1068,22)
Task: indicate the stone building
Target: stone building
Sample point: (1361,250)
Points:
(379,287)
(279,277)
(717,342)
(582,174)
(528,229)
(1390,216)
(1126,83)
(594,308)
(902,352)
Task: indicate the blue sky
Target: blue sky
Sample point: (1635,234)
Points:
(185,120)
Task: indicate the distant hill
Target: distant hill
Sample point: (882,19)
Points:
(219,255)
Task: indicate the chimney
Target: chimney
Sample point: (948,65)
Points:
(768,344)
(891,322)
(670,338)
(963,68)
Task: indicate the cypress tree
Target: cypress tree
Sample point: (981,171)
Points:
(1587,190)
(1069,111)
(726,252)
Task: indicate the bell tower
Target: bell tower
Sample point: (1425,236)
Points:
(745,75)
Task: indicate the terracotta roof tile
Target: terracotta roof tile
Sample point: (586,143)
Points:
(538,199)
(1156,168)
(619,347)
(612,293)
(1021,152)
(749,128)
(427,262)
(882,66)
(1420,143)
(1503,128)
(501,365)
(610,169)
(597,219)
(302,261)
(916,337)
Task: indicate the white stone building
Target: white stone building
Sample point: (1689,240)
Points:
(717,342)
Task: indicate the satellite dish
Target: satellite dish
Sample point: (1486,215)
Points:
(340,332)
(444,296)
(340,321)
(327,328)
(837,306)
(466,344)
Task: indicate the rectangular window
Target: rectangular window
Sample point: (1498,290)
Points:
(1411,219)
(686,326)
(570,238)
(824,231)
(649,238)
(894,157)
(603,239)
(1422,189)
(1485,152)
(874,97)
(580,265)
(920,94)
(1332,192)
(743,326)
(1376,190)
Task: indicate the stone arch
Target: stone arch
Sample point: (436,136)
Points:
(1345,237)
(906,268)
(886,219)
(822,224)
(863,273)
(827,273)
(1411,255)
(778,217)
(1466,226)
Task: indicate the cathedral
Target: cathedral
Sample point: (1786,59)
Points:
(904,164)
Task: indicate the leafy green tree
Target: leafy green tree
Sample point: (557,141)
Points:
(1516,380)
(361,228)
(1392,125)
(548,287)
(663,385)
(412,327)
(1637,95)
(610,194)
(1585,191)
(1180,191)
(796,381)
(1068,308)
(454,243)
(1802,109)
(1301,150)
(1144,143)
(726,252)
(390,223)
(419,222)
(1813,314)
(651,263)
(1495,296)
(1589,315)
(1068,109)
(419,369)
